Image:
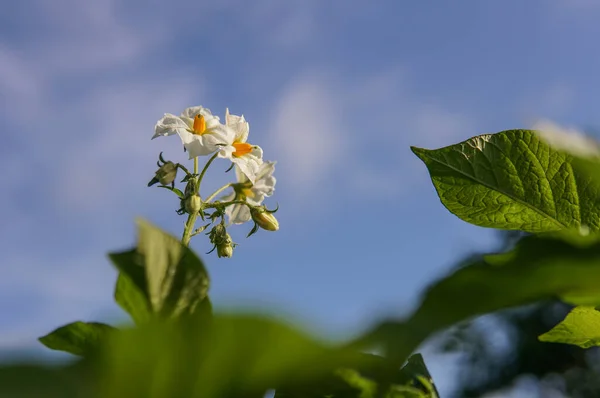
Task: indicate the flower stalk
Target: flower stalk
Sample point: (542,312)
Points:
(191,220)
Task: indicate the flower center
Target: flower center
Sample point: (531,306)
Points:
(241,148)
(248,192)
(199,125)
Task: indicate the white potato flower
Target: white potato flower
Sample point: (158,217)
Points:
(244,155)
(200,131)
(252,193)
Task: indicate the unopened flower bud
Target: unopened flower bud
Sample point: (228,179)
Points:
(218,233)
(264,218)
(225,248)
(221,240)
(193,204)
(165,175)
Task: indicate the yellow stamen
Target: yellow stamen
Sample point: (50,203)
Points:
(248,192)
(242,148)
(199,125)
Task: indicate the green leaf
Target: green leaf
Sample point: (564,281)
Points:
(539,268)
(132,299)
(584,149)
(413,381)
(77,338)
(235,356)
(418,370)
(165,273)
(513,180)
(240,355)
(172,189)
(581,327)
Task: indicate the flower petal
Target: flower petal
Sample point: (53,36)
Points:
(265,186)
(265,182)
(169,125)
(257,152)
(198,110)
(227,197)
(232,119)
(241,177)
(239,214)
(249,164)
(239,125)
(201,145)
(257,200)
(211,141)
(226,152)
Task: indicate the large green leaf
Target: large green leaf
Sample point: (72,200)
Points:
(539,268)
(236,356)
(161,271)
(79,338)
(233,356)
(581,327)
(513,180)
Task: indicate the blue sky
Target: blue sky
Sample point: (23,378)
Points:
(335,91)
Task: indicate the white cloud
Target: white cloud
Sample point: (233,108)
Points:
(86,140)
(88,153)
(308,133)
(429,126)
(398,119)
(78,156)
(401,118)
(47,292)
(86,36)
(362,133)
(117,146)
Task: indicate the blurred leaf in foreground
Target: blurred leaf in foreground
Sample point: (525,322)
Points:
(77,338)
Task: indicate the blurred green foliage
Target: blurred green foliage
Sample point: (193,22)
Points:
(180,348)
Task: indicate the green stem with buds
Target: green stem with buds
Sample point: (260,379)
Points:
(218,191)
(225,204)
(189,227)
(191,220)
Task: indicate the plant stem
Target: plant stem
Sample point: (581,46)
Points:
(189,227)
(218,191)
(213,157)
(191,220)
(182,167)
(233,202)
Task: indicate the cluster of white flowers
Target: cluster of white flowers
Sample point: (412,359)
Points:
(202,134)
